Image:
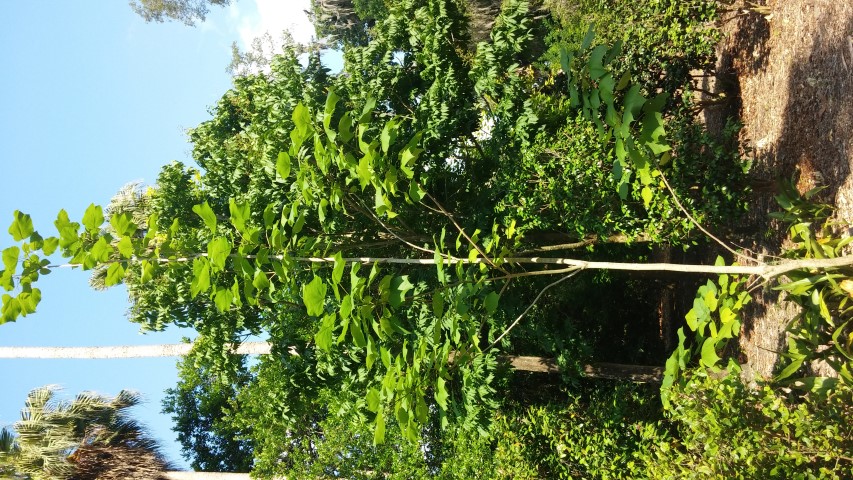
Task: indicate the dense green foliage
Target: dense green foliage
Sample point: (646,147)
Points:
(377,226)
(724,429)
(200,405)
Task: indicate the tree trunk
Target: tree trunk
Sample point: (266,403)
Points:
(123,351)
(634,373)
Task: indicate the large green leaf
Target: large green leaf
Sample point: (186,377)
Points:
(125,247)
(282,166)
(115,274)
(93,218)
(201,276)
(331,101)
(301,121)
(709,352)
(441,394)
(240,215)
(22,226)
(324,336)
(206,213)
(389,135)
(218,251)
(223,298)
(10,258)
(122,224)
(338,271)
(379,432)
(314,296)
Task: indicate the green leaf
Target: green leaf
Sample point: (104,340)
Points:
(399,287)
(29,301)
(797,361)
(122,224)
(50,245)
(623,81)
(93,218)
(402,414)
(147,271)
(282,166)
(346,306)
(324,336)
(201,276)
(314,296)
(379,432)
(388,135)
(11,309)
(421,410)
(587,39)
(491,302)
(125,247)
(338,271)
(416,193)
(565,61)
(709,352)
(223,298)
(115,274)
(441,394)
(633,101)
(385,355)
(206,213)
(623,189)
(260,281)
(596,69)
(614,52)
(357,334)
(270,217)
(100,251)
(373,400)
(365,171)
(218,251)
(438,304)
(367,111)
(22,226)
(345,128)
(240,215)
(329,110)
(646,193)
(301,121)
(10,258)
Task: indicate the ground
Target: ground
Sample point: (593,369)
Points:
(787,69)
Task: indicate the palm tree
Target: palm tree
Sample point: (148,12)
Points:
(92,437)
(8,450)
(89,437)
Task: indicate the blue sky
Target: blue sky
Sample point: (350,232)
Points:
(92,98)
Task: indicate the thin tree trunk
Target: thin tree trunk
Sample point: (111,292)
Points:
(634,373)
(123,351)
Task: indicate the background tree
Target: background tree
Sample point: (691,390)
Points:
(186,11)
(200,406)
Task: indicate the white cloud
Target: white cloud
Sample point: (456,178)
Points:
(272,16)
